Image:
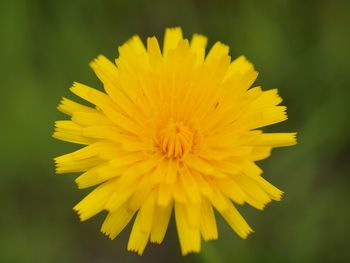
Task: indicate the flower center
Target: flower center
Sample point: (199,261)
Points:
(176,139)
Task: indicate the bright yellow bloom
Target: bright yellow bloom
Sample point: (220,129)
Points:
(173,129)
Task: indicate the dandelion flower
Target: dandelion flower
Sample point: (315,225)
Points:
(176,129)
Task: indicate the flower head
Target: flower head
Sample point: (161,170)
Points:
(173,130)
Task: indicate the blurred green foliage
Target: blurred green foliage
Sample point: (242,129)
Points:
(301,47)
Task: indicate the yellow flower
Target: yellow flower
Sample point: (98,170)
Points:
(173,129)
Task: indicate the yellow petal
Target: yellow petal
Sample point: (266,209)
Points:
(199,164)
(218,200)
(73,138)
(239,65)
(69,107)
(203,182)
(134,54)
(142,190)
(189,237)
(104,102)
(116,221)
(171,39)
(254,172)
(98,175)
(260,153)
(158,175)
(94,202)
(90,118)
(160,224)
(154,53)
(136,44)
(255,195)
(119,198)
(147,212)
(71,132)
(207,221)
(179,193)
(101,149)
(107,72)
(198,44)
(77,166)
(232,190)
(193,214)
(189,185)
(236,221)
(268,98)
(276,139)
(138,239)
(172,171)
(216,52)
(164,194)
(203,166)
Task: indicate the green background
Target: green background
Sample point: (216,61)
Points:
(301,47)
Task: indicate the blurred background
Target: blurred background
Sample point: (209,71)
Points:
(301,47)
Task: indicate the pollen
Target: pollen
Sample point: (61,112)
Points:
(176,139)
